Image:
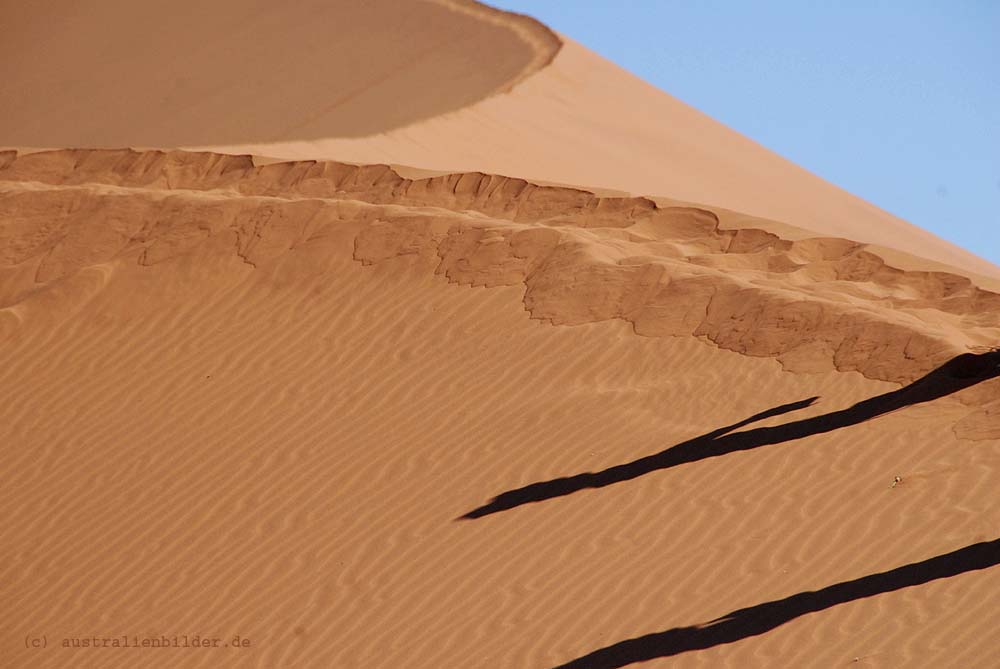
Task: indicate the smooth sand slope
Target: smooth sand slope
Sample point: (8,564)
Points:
(178,73)
(417,83)
(363,419)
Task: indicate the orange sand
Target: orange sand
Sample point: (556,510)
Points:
(366,419)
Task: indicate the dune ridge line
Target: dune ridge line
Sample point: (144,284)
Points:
(542,40)
(814,304)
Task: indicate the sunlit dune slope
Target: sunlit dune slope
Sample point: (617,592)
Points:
(585,121)
(695,407)
(816,304)
(367,422)
(449,85)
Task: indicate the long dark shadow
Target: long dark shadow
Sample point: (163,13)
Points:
(958,373)
(765,617)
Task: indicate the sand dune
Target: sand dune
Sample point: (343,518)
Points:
(447,85)
(815,304)
(368,416)
(256,400)
(185,73)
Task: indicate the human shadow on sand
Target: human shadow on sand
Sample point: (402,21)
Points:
(765,617)
(958,373)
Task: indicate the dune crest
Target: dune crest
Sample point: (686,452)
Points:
(449,86)
(815,304)
(174,74)
(456,346)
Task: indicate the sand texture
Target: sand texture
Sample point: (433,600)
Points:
(697,408)
(442,85)
(261,400)
(177,73)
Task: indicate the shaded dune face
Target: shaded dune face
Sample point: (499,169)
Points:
(171,74)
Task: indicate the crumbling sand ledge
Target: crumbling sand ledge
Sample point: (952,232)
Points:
(219,417)
(814,304)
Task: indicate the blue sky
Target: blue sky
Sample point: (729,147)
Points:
(897,102)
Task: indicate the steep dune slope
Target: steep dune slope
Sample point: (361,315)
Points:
(258,401)
(428,84)
(178,73)
(367,417)
(815,304)
(585,121)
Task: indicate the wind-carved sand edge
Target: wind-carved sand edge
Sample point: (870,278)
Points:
(813,304)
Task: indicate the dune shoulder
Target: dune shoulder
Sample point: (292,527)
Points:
(813,303)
